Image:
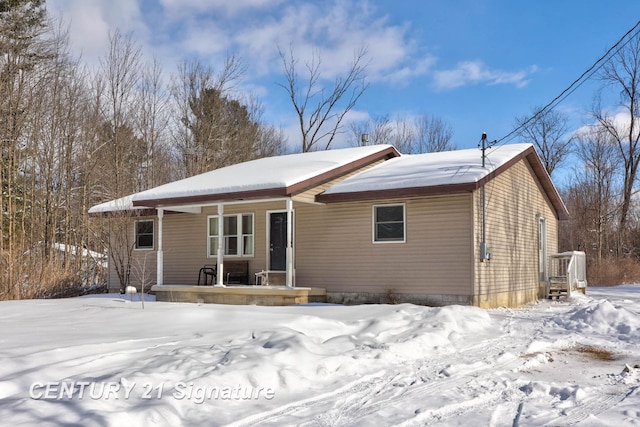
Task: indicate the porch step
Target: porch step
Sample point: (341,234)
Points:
(557,292)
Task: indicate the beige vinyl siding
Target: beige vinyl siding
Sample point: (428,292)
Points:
(184,246)
(335,249)
(515,201)
(143,261)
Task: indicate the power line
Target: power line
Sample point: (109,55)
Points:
(576,83)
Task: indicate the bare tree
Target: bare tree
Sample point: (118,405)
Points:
(270,141)
(22,25)
(213,128)
(378,130)
(595,181)
(622,73)
(433,134)
(320,112)
(116,146)
(198,94)
(422,134)
(404,135)
(547,131)
(120,72)
(152,117)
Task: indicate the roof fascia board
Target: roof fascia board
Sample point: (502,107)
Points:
(125,213)
(227,203)
(214,199)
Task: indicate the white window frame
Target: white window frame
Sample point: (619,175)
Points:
(240,236)
(135,235)
(374,223)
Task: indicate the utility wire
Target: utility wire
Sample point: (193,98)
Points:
(576,83)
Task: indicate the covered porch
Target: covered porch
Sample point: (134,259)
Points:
(238,250)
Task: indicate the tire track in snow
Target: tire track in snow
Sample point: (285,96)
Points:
(431,383)
(368,395)
(594,405)
(482,395)
(274,415)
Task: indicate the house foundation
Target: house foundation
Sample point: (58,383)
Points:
(503,299)
(352,298)
(513,298)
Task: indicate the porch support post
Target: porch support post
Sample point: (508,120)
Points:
(220,261)
(289,273)
(160,256)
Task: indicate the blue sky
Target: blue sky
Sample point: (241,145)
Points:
(475,63)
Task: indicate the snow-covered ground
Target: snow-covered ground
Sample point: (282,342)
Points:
(103,360)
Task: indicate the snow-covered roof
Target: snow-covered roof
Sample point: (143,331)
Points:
(284,176)
(118,205)
(270,173)
(74,250)
(440,173)
(429,170)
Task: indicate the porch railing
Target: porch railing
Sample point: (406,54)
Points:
(567,273)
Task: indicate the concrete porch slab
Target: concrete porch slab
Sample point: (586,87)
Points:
(239,295)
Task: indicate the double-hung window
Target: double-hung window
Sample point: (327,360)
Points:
(238,235)
(144,234)
(389,223)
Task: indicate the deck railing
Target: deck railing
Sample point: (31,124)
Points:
(567,273)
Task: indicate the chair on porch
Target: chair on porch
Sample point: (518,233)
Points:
(262,278)
(206,272)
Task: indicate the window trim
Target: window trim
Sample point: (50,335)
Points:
(242,234)
(374,223)
(239,235)
(135,235)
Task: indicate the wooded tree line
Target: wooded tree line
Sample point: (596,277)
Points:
(602,197)
(72,138)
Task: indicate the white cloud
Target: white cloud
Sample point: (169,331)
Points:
(90,22)
(473,72)
(178,9)
(618,118)
(253,29)
(404,74)
(334,30)
(204,38)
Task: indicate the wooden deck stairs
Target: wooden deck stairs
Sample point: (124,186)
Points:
(557,287)
(567,273)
